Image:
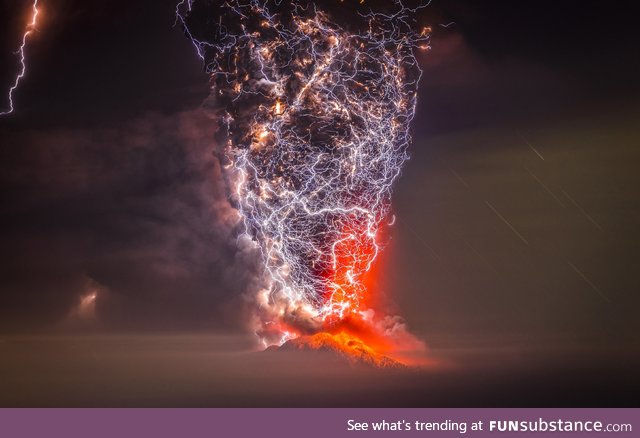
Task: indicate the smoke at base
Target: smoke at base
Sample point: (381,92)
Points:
(317,122)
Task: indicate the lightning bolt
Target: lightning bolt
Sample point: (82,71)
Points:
(29,29)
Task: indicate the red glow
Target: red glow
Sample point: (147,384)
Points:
(350,326)
(353,258)
(349,346)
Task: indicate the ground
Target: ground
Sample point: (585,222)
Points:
(222,370)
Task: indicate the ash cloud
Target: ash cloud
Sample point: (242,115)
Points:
(317,129)
(139,208)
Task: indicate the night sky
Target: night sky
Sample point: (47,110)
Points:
(517,230)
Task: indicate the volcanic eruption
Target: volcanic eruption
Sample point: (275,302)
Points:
(316,117)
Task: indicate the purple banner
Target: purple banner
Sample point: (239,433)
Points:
(315,422)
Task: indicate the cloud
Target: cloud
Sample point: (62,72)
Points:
(139,207)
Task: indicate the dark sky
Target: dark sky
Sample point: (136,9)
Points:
(517,213)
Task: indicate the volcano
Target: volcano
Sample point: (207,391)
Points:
(342,345)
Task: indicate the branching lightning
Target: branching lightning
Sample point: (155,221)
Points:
(29,29)
(317,128)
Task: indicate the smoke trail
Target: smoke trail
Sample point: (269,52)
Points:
(30,27)
(317,127)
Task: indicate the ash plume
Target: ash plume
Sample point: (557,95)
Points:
(317,119)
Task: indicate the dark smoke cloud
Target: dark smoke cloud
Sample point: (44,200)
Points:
(138,208)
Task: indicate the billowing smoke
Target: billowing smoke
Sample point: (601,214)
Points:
(317,127)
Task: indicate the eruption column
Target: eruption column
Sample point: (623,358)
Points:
(317,127)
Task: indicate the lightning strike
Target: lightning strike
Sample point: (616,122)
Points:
(29,29)
(317,128)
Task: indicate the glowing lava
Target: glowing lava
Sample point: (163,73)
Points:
(348,346)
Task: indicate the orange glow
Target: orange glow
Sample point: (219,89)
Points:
(350,326)
(353,257)
(349,346)
(278,108)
